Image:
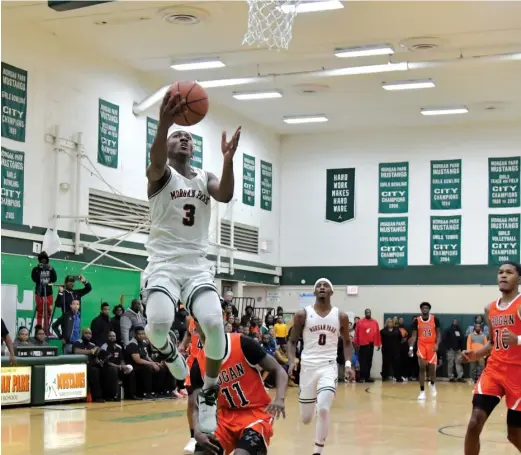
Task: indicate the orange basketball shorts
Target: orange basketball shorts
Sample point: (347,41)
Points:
(501,380)
(426,352)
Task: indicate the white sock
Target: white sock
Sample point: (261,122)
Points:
(209,382)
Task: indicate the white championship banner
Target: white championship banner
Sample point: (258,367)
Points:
(16,385)
(65,382)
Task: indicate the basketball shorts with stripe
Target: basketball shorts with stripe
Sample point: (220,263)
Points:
(317,378)
(501,380)
(180,279)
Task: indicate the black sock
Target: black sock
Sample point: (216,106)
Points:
(422,388)
(191,432)
(432,382)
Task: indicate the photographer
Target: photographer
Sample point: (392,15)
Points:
(67,294)
(43,275)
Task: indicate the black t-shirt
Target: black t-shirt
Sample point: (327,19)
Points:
(111,353)
(415,323)
(251,349)
(5,332)
(139,347)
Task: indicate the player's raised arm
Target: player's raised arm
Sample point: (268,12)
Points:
(296,333)
(470,355)
(222,190)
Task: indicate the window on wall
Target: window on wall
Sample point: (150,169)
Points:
(245,238)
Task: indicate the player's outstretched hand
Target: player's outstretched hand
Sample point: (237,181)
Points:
(509,338)
(171,106)
(277,408)
(230,147)
(468,356)
(207,441)
(292,367)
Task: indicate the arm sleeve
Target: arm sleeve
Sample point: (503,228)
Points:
(85,290)
(252,350)
(124,328)
(54,276)
(35,276)
(196,378)
(132,349)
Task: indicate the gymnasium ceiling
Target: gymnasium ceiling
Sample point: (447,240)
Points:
(136,34)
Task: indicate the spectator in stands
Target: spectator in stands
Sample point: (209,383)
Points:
(414,368)
(404,350)
(40,339)
(367,337)
(131,319)
(43,276)
(391,344)
(454,342)
(476,340)
(248,313)
(269,345)
(85,346)
(484,327)
(281,331)
(228,327)
(114,364)
(101,325)
(281,354)
(357,320)
(117,311)
(22,338)
(180,323)
(67,294)
(228,298)
(67,326)
(6,338)
(255,326)
(269,322)
(234,322)
(163,383)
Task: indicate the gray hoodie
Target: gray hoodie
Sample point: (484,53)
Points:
(128,323)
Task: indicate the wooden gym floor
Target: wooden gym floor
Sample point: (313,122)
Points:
(366,420)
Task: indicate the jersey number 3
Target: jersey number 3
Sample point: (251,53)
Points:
(189,218)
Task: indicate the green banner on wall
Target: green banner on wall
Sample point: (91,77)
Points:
(151,135)
(14,102)
(13,166)
(266,176)
(248,179)
(340,195)
(108,134)
(392,242)
(393,187)
(445,240)
(197,157)
(446,185)
(503,238)
(503,182)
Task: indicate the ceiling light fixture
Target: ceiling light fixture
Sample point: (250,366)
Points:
(258,95)
(200,64)
(368,69)
(408,85)
(229,82)
(445,110)
(313,6)
(299,119)
(364,51)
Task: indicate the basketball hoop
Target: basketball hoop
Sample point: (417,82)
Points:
(270,22)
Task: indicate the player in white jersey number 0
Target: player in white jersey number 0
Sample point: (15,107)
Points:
(180,211)
(320,325)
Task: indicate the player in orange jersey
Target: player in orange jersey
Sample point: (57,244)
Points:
(502,375)
(245,410)
(426,329)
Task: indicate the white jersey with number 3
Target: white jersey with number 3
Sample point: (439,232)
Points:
(320,337)
(180,215)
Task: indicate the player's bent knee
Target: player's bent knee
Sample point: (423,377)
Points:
(251,443)
(323,412)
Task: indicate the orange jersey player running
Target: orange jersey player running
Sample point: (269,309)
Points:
(426,329)
(502,375)
(245,410)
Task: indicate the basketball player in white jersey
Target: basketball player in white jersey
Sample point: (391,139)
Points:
(320,325)
(180,211)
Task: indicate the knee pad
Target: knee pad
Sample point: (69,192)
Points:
(160,316)
(206,308)
(486,403)
(514,418)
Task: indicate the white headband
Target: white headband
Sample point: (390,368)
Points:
(326,280)
(175,128)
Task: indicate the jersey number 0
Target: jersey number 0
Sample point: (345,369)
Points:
(189,218)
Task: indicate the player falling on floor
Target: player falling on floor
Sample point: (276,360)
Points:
(502,375)
(320,326)
(245,410)
(426,329)
(180,211)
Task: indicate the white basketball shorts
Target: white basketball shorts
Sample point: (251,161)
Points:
(317,378)
(179,278)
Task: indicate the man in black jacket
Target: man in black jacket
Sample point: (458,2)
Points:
(67,294)
(101,325)
(43,275)
(67,327)
(454,342)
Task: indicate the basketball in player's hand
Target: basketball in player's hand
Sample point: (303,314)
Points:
(196,102)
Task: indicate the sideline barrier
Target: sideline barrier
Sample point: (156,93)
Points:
(40,380)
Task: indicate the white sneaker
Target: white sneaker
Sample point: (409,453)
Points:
(207,402)
(422,396)
(433,390)
(190,446)
(405,379)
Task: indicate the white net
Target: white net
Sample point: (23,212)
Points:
(270,23)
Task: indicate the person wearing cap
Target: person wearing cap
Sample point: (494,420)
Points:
(367,337)
(67,293)
(426,329)
(43,276)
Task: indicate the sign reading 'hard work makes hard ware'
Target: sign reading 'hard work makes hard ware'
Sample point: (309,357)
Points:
(446,185)
(266,185)
(503,182)
(248,179)
(108,134)
(151,135)
(197,155)
(65,382)
(393,186)
(14,102)
(13,165)
(445,240)
(16,385)
(340,195)
(503,238)
(392,242)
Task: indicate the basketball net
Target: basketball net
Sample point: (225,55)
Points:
(270,22)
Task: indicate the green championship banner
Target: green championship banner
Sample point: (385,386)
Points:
(14,102)
(446,185)
(393,187)
(503,182)
(248,179)
(151,135)
(340,195)
(392,242)
(13,165)
(108,134)
(445,240)
(197,156)
(503,238)
(266,176)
